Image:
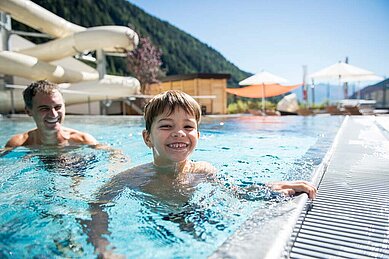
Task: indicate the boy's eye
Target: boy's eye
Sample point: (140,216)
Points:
(58,108)
(165,126)
(189,127)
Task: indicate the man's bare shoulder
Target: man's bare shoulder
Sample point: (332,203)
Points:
(22,139)
(79,137)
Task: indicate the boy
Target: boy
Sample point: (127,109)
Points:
(172,119)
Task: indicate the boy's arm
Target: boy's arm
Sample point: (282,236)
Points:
(289,188)
(267,191)
(97,227)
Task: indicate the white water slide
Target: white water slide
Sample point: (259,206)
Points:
(54,60)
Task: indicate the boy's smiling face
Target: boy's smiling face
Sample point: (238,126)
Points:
(173,137)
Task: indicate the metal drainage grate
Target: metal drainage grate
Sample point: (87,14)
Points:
(350,217)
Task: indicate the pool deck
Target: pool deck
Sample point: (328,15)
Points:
(350,216)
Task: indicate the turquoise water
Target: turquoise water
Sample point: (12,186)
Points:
(45,194)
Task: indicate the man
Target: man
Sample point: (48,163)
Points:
(44,102)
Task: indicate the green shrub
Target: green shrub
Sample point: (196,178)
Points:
(241,106)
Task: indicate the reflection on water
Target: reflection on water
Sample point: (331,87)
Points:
(45,193)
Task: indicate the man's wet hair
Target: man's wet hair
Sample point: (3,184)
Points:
(168,102)
(41,86)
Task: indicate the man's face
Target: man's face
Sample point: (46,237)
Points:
(172,137)
(48,111)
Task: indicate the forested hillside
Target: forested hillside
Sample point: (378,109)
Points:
(182,53)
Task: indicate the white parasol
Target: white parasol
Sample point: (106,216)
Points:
(344,72)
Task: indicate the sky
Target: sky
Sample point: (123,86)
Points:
(282,36)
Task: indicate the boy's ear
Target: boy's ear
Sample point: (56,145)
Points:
(198,134)
(146,138)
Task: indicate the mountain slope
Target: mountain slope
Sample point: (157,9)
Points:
(182,53)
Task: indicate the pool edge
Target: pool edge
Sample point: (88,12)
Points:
(270,240)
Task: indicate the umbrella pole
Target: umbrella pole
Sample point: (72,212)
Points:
(263,99)
(339,86)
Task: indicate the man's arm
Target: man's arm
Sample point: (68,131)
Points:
(118,160)
(87,139)
(4,151)
(78,137)
(17,140)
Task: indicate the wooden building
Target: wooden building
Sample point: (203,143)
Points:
(207,89)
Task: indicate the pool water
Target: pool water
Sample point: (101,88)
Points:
(45,194)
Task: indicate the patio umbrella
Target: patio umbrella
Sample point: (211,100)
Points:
(361,78)
(256,91)
(341,71)
(263,78)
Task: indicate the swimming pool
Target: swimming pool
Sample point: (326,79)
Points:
(45,194)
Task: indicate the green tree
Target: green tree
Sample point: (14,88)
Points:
(182,53)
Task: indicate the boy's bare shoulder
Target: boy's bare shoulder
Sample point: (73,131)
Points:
(203,167)
(140,169)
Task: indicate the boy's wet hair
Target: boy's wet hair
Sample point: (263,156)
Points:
(41,86)
(169,101)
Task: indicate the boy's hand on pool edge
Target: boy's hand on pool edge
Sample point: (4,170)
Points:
(290,188)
